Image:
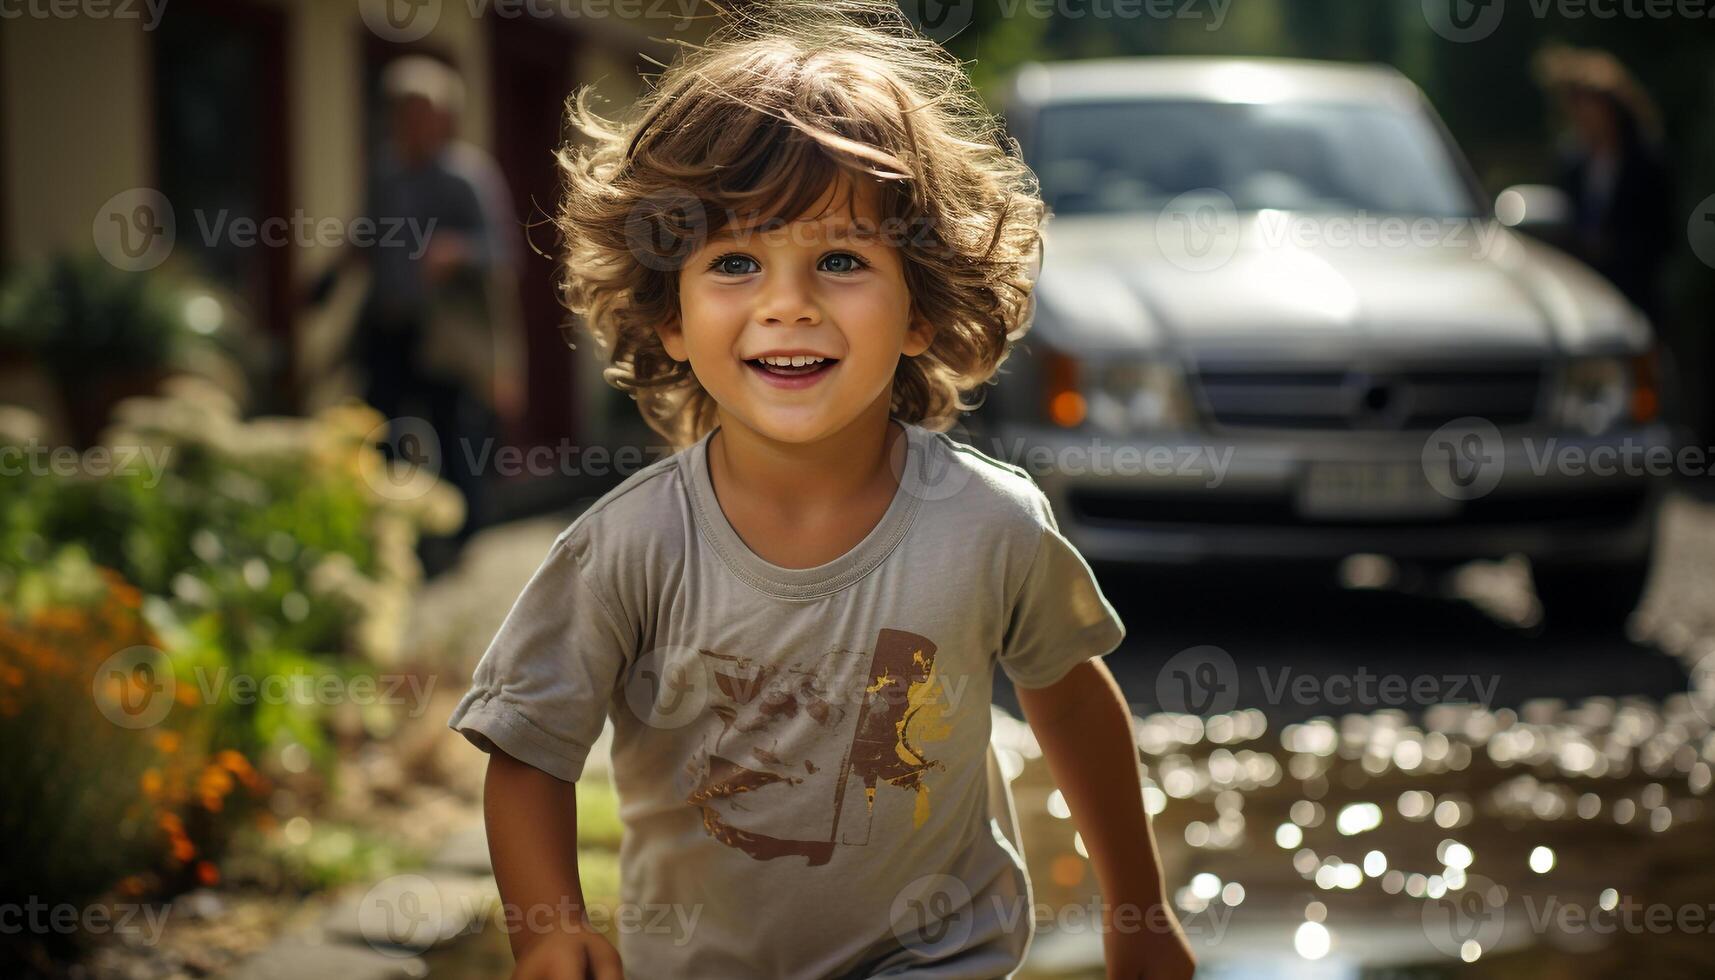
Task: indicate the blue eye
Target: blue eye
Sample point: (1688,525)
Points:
(721,264)
(857,261)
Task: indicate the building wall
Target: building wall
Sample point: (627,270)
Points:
(75,101)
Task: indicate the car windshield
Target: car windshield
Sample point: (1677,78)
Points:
(1105,157)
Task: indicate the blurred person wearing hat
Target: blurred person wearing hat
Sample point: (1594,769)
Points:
(1613,170)
(439,334)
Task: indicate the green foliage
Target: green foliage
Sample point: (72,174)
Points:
(331,855)
(255,550)
(92,801)
(81,316)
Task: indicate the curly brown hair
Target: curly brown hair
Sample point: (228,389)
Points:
(784,99)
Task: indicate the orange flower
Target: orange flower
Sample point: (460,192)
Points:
(207,873)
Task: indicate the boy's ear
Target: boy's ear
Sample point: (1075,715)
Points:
(672,334)
(919,335)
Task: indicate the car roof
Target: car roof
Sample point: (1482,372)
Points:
(1212,80)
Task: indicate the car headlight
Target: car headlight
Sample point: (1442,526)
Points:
(1120,397)
(1596,393)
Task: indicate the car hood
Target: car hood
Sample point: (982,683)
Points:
(1271,283)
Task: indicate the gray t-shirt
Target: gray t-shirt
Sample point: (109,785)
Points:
(802,756)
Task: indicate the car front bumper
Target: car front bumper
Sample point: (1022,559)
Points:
(1195,498)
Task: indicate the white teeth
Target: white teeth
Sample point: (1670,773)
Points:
(795,360)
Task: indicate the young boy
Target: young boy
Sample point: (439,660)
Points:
(808,244)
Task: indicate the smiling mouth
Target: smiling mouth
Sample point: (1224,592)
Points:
(778,371)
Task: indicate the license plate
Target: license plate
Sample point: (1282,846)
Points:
(1373,491)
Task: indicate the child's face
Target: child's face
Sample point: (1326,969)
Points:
(832,287)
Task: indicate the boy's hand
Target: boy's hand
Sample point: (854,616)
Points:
(1149,955)
(578,955)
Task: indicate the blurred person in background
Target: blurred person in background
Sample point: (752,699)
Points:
(1613,170)
(439,334)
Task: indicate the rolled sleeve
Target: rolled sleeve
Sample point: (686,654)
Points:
(1059,618)
(543,689)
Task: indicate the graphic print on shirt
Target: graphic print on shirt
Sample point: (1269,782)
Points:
(771,780)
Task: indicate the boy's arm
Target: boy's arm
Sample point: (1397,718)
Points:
(1084,727)
(532,825)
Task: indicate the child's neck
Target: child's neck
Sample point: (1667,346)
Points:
(799,505)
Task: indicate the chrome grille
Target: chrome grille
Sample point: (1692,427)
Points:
(1273,396)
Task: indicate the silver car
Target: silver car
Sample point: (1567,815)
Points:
(1277,320)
